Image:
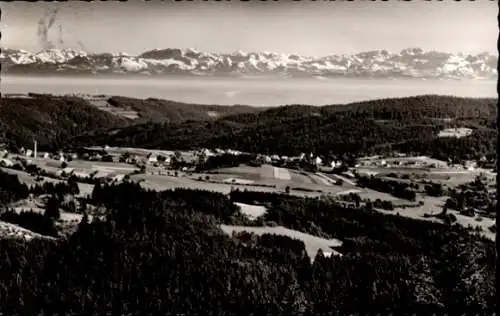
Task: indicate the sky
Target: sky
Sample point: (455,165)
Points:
(313,28)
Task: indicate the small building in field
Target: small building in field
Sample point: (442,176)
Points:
(152,158)
(318,161)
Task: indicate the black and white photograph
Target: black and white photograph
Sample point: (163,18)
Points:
(248,157)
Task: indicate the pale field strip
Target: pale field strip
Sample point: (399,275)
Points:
(282,174)
(251,211)
(455,132)
(339,177)
(104,105)
(26,178)
(324,179)
(238,181)
(349,192)
(434,206)
(312,243)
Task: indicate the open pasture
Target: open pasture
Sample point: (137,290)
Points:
(373,195)
(26,178)
(252,211)
(312,243)
(53,166)
(104,105)
(433,206)
(267,175)
(165,182)
(215,183)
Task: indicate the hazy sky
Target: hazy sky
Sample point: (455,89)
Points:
(308,27)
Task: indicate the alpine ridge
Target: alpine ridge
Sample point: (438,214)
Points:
(409,63)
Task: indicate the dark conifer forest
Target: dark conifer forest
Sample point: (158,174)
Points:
(163,253)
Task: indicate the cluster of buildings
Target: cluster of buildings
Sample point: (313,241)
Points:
(402,162)
(307,158)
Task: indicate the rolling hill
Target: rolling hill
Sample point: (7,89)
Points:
(409,124)
(54,120)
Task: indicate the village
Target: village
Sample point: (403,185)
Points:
(225,170)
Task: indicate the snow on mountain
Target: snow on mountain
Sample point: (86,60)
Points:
(411,62)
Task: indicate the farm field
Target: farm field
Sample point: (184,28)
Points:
(165,182)
(53,166)
(311,242)
(252,211)
(449,176)
(455,132)
(434,205)
(67,220)
(103,105)
(366,193)
(26,178)
(271,176)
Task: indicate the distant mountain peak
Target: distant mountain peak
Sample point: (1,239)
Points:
(410,62)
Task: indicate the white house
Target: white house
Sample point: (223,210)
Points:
(46,156)
(318,161)
(29,152)
(152,158)
(168,160)
(207,152)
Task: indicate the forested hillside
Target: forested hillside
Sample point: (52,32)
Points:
(51,121)
(163,253)
(175,112)
(56,120)
(406,124)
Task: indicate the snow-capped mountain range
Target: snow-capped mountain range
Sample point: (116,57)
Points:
(412,63)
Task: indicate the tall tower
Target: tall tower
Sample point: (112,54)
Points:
(35,149)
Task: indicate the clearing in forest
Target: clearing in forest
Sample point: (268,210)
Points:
(312,243)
